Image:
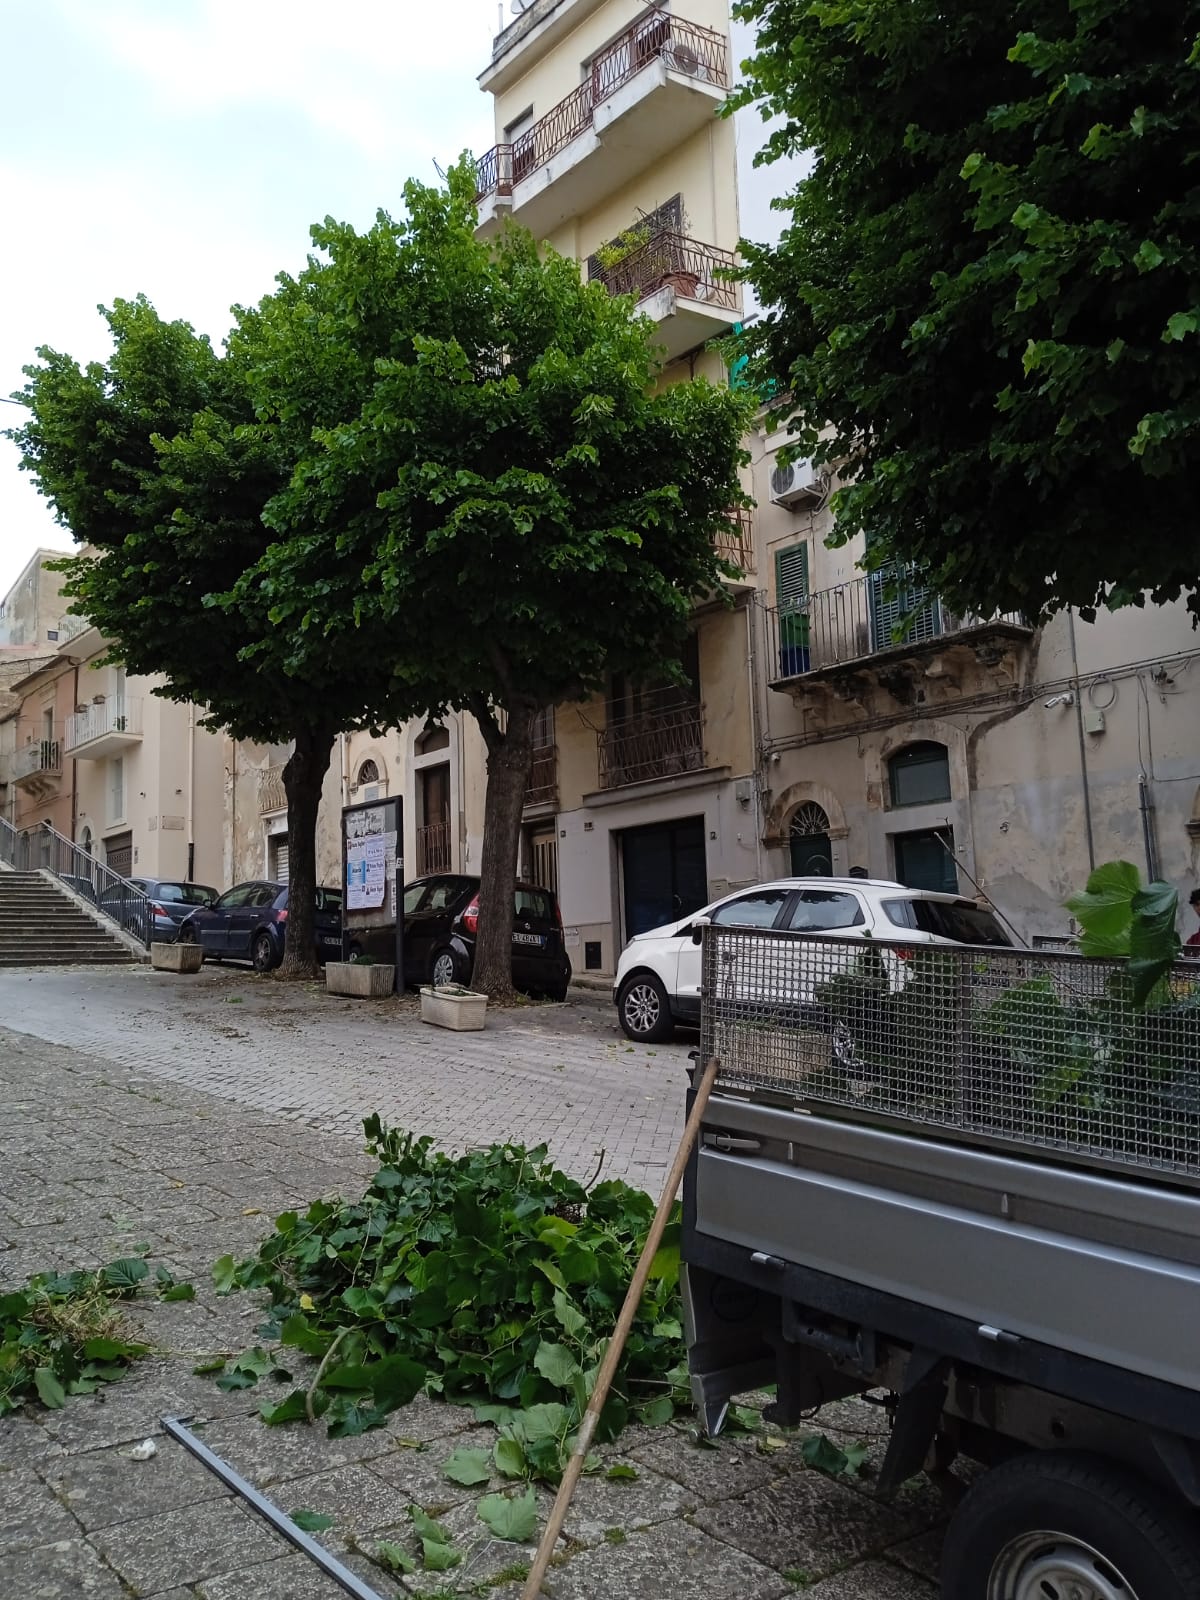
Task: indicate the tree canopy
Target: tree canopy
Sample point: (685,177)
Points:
(985,308)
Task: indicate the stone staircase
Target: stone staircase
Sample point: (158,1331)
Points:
(41,926)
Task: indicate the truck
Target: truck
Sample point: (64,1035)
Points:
(973,1196)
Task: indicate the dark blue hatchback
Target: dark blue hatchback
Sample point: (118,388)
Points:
(248,922)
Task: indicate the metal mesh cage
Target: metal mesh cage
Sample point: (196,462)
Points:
(1040,1049)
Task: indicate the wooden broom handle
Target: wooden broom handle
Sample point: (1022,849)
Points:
(616,1345)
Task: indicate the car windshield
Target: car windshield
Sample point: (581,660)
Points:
(329,899)
(947,919)
(534,903)
(188,894)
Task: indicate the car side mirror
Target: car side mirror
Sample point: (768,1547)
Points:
(697,929)
(208,902)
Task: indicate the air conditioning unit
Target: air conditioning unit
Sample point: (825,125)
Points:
(795,484)
(683,59)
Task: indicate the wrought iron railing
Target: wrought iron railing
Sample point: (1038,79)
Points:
(272,796)
(542,787)
(42,758)
(669,259)
(682,46)
(118,714)
(433,848)
(660,738)
(735,543)
(863,617)
(44,848)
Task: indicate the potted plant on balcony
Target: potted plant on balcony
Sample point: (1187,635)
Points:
(613,255)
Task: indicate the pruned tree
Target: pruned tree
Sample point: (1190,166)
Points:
(526,514)
(986,303)
(159,465)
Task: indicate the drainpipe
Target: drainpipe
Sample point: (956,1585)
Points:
(74,765)
(755,739)
(1083,767)
(1146,807)
(345,755)
(191,793)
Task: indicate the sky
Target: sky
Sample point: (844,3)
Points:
(181,149)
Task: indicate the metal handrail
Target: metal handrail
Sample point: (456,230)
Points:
(44,848)
(38,756)
(695,270)
(735,543)
(661,737)
(433,848)
(541,788)
(683,46)
(119,714)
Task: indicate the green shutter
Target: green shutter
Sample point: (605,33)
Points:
(791,596)
(896,595)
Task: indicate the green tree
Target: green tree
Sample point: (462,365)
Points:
(986,303)
(158,463)
(525,515)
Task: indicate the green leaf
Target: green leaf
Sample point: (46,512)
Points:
(439,1556)
(311,1521)
(426,1528)
(50,1391)
(125,1274)
(621,1472)
(467,1466)
(394,1558)
(509,1456)
(569,1318)
(658,1412)
(556,1364)
(224,1274)
(203,1368)
(111,1349)
(512,1517)
(825,1456)
(178,1291)
(291,1409)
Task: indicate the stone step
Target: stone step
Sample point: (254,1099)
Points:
(107,958)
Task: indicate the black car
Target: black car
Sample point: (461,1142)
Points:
(171,903)
(441,914)
(247,923)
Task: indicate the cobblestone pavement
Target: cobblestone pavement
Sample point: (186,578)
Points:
(117,1147)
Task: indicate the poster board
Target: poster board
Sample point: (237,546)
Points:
(373,876)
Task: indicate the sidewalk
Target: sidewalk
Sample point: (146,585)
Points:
(97,1159)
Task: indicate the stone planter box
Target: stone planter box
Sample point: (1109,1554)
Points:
(453,1007)
(176,957)
(360,980)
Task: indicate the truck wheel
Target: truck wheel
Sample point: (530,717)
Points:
(643,1009)
(1057,1526)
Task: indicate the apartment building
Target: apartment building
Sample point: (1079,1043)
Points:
(31,610)
(962,752)
(129,777)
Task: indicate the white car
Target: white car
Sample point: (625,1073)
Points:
(658,976)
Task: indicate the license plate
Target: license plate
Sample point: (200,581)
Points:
(528,938)
(330,938)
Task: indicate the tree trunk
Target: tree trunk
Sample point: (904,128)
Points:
(303,778)
(509,757)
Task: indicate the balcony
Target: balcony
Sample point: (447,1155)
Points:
(34,766)
(662,738)
(104,730)
(836,634)
(660,81)
(272,796)
(541,791)
(433,848)
(682,286)
(735,544)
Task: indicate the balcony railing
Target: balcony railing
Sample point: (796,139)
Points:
(662,738)
(669,259)
(433,848)
(683,47)
(542,787)
(41,759)
(863,618)
(272,796)
(118,715)
(735,543)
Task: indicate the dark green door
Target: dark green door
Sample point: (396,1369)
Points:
(808,838)
(923,861)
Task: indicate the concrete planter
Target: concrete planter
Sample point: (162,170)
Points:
(360,980)
(453,1007)
(176,957)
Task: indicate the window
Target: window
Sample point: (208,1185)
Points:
(821,910)
(962,922)
(791,596)
(277,857)
(757,910)
(920,775)
(432,737)
(925,860)
(116,788)
(188,894)
(368,780)
(808,837)
(241,895)
(533,903)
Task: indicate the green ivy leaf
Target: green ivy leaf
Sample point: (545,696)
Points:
(291,1409)
(426,1527)
(311,1521)
(438,1556)
(394,1558)
(224,1274)
(556,1364)
(509,1456)
(125,1274)
(467,1466)
(50,1391)
(178,1291)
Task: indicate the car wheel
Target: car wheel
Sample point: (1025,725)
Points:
(262,952)
(445,969)
(187,934)
(1060,1524)
(559,994)
(644,1010)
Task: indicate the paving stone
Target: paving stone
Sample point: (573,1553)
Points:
(67,1570)
(922,1555)
(873,1581)
(24,1439)
(197,1542)
(675,1559)
(266,1456)
(291,1578)
(102,1487)
(417,1475)
(357,1499)
(806,1523)
(425,1418)
(602,1504)
(485,1559)
(712,1472)
(29,1513)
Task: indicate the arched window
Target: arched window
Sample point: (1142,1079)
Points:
(432,737)
(919,775)
(368,780)
(811,851)
(85,841)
